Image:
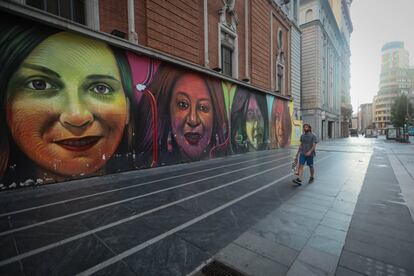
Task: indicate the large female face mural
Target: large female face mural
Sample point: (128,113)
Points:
(254,123)
(191,114)
(249,121)
(66,107)
(281,124)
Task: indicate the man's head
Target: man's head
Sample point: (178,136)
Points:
(307,128)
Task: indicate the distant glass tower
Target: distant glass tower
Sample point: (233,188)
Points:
(394,56)
(396,78)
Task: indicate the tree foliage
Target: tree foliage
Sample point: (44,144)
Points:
(399,111)
(346,112)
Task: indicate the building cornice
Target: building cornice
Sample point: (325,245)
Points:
(347,13)
(341,37)
(328,9)
(279,11)
(319,23)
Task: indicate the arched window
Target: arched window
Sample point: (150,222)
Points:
(280,39)
(309,15)
(280,64)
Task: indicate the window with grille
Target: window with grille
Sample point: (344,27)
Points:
(71,9)
(226,60)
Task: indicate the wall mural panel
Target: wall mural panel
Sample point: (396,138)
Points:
(72,106)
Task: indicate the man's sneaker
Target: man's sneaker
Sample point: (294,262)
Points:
(297,181)
(311,179)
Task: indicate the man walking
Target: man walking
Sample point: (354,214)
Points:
(306,152)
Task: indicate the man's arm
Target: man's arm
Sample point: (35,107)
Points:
(315,140)
(299,150)
(309,153)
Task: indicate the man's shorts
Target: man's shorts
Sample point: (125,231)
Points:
(306,159)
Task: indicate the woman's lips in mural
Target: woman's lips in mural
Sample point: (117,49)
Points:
(192,137)
(79,144)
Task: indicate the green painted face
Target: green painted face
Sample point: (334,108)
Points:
(66,106)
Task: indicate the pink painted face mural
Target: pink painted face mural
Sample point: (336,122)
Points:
(281,124)
(191,114)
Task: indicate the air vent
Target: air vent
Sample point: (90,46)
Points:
(216,268)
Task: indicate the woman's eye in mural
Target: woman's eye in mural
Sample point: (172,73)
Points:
(183,104)
(204,108)
(102,89)
(39,84)
(251,115)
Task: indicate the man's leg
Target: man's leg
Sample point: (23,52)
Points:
(312,171)
(298,180)
(311,168)
(300,171)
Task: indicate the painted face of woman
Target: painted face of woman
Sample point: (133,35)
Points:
(254,123)
(191,114)
(279,129)
(66,106)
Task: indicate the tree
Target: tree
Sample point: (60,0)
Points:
(399,111)
(346,112)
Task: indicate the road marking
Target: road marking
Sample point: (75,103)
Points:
(149,242)
(104,227)
(127,187)
(131,198)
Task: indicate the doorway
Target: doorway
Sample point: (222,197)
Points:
(330,129)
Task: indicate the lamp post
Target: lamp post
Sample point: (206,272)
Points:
(406,137)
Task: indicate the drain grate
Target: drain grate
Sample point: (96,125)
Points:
(216,268)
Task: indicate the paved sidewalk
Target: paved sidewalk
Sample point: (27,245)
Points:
(354,220)
(305,235)
(380,239)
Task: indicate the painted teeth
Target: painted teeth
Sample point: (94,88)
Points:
(80,142)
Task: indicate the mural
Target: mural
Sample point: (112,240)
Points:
(296,126)
(249,117)
(72,106)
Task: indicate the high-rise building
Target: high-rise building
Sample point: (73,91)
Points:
(364,116)
(396,78)
(326,28)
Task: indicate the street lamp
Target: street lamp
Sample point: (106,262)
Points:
(406,137)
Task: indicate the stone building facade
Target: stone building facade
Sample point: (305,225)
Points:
(326,28)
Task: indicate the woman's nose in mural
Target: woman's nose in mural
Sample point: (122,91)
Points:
(255,124)
(193,119)
(76,115)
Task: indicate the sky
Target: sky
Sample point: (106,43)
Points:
(375,23)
